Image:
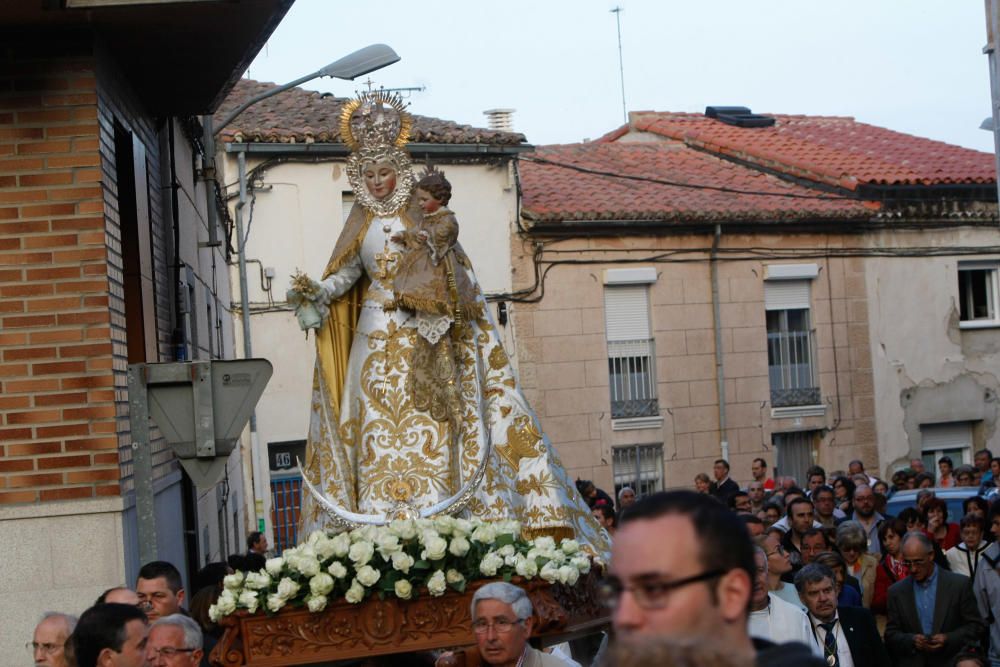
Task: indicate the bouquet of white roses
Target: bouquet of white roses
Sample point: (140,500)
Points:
(401,559)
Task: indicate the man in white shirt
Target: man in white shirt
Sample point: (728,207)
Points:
(845,636)
(771,617)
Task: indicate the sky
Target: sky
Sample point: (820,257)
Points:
(915,66)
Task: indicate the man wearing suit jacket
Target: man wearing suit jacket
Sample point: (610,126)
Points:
(723,486)
(932,613)
(846,636)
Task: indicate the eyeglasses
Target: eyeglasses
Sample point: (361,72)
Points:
(916,561)
(650,594)
(778,550)
(501,625)
(169,652)
(44,647)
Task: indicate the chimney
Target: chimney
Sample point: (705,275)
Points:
(500,119)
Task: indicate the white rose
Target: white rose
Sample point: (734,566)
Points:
(257,581)
(287,588)
(232,582)
(364,534)
(507,550)
(315,537)
(544,543)
(490,564)
(321,584)
(454,577)
(550,573)
(402,561)
(403,589)
(387,544)
(361,553)
(368,575)
(274,565)
(325,549)
(509,527)
(434,548)
(404,529)
(308,566)
(249,600)
(444,525)
(356,593)
(463,527)
(337,569)
(316,602)
(526,567)
(436,584)
(213,613)
(226,603)
(459,546)
(485,534)
(568,574)
(570,547)
(275,602)
(581,563)
(341,544)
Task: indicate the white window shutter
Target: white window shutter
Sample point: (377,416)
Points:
(626,312)
(950,435)
(786,294)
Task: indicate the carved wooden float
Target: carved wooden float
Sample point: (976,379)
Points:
(345,631)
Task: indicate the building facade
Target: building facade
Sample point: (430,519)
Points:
(105,261)
(712,290)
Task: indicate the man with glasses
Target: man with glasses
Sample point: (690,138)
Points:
(501,620)
(174,641)
(825,504)
(48,644)
(932,613)
(682,567)
(865,514)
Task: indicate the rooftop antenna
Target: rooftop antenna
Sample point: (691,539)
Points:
(617,11)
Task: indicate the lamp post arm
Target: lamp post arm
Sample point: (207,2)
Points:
(231,116)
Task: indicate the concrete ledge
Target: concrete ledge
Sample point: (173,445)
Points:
(68,508)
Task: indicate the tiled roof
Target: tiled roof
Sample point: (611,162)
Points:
(838,151)
(304,116)
(557,188)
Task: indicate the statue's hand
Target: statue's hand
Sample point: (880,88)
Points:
(310,301)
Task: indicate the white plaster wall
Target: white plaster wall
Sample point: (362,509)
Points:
(295,224)
(913,318)
(55,557)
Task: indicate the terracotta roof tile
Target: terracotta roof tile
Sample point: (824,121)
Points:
(829,149)
(556,190)
(304,116)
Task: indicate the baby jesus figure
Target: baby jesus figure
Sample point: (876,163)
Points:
(433,281)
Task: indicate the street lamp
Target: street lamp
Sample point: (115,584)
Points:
(359,63)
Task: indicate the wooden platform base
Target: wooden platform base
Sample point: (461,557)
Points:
(345,631)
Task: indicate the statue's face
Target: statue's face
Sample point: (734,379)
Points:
(380,179)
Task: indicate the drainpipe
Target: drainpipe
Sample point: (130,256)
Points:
(720,374)
(257,457)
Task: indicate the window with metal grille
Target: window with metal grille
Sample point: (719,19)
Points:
(790,344)
(639,467)
(631,353)
(977,294)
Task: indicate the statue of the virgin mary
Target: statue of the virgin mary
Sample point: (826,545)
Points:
(376,449)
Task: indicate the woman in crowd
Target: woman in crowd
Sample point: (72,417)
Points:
(891,568)
(843,491)
(772,513)
(945,534)
(852,542)
(778,563)
(924,480)
(964,556)
(702,483)
(915,520)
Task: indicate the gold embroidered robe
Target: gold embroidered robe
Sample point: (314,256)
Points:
(369,447)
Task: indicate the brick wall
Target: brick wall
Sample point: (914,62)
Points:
(57,394)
